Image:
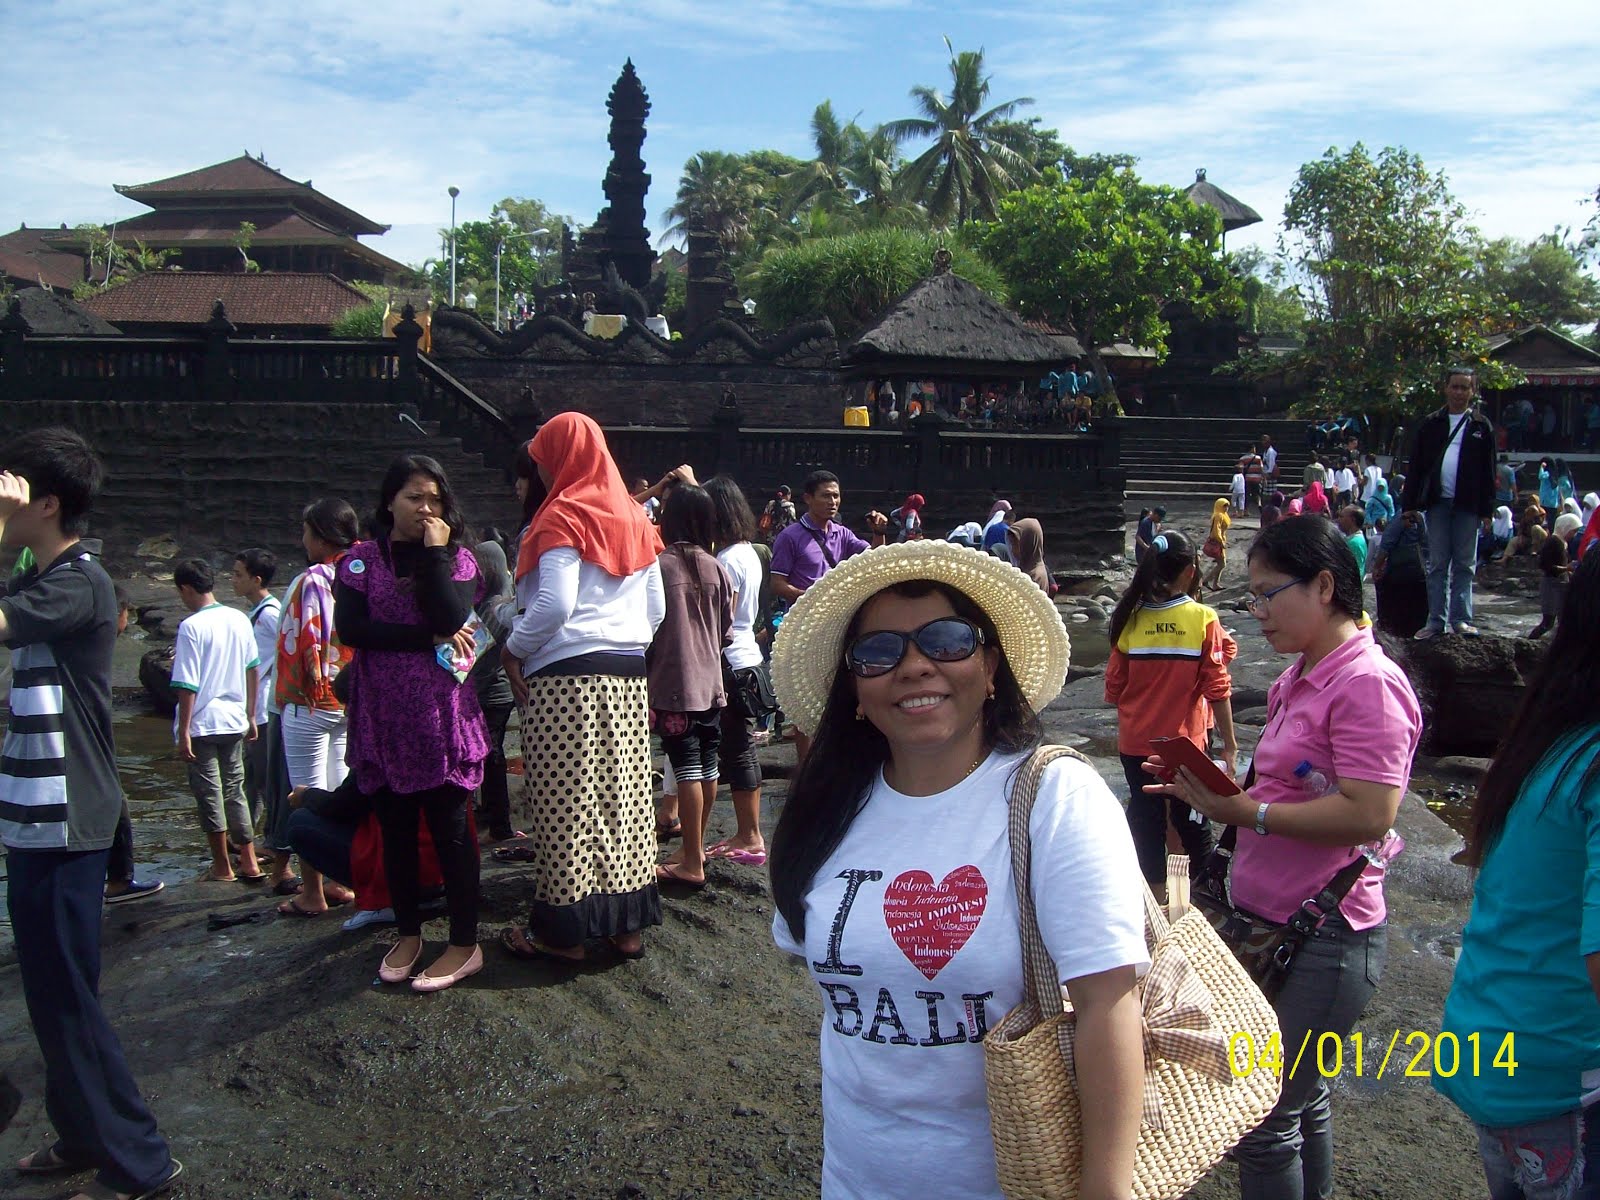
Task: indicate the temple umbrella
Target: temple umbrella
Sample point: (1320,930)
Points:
(1235,213)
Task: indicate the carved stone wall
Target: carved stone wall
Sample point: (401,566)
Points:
(218,477)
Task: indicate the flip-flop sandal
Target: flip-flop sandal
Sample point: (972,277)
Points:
(286,887)
(668,873)
(667,830)
(99,1191)
(746,858)
(48,1162)
(290,909)
(533,950)
(631,955)
(513,854)
(261,878)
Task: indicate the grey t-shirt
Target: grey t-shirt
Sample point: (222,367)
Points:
(58,765)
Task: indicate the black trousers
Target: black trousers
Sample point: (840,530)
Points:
(494,794)
(446,810)
(1147,821)
(54,898)
(119,862)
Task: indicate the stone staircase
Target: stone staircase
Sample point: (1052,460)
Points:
(1193,458)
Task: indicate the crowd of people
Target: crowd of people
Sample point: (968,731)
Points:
(359,735)
(1064,400)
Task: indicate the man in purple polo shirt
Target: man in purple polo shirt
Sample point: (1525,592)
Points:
(811,547)
(807,550)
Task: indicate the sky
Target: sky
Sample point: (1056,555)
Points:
(382,107)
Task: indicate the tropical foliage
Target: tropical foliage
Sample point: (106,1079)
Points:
(1385,253)
(853,278)
(1102,259)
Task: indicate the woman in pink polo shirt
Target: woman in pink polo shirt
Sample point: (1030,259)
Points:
(1330,769)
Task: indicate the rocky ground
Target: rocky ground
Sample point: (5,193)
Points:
(279,1067)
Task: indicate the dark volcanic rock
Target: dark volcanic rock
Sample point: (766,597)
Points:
(155,672)
(1469,688)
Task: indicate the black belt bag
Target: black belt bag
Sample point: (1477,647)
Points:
(750,691)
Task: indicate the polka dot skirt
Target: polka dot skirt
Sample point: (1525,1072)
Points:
(586,799)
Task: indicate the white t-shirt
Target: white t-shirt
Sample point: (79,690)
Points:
(1374,473)
(1236,485)
(1344,480)
(216,646)
(743,565)
(911,937)
(1269,459)
(264,621)
(1450,464)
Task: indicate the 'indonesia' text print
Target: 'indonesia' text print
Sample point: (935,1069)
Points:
(929,922)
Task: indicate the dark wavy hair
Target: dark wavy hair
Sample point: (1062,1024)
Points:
(1305,547)
(846,755)
(332,520)
(735,522)
(1158,568)
(395,478)
(525,468)
(688,515)
(1560,698)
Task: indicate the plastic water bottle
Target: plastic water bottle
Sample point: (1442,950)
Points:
(1312,781)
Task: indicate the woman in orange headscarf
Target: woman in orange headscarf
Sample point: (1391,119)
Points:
(591,598)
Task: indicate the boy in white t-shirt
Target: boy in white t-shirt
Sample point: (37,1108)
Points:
(214,672)
(253,572)
(1236,492)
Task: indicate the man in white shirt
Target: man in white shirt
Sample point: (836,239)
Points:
(1269,459)
(1372,473)
(253,572)
(214,672)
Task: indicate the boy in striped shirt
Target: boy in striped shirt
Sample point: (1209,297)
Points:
(60,800)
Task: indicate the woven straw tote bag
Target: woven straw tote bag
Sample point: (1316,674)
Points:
(1200,1093)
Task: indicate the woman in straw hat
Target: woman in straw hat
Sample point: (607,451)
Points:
(1330,769)
(591,599)
(919,669)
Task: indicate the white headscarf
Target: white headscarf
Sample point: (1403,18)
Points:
(1569,505)
(1502,522)
(1590,503)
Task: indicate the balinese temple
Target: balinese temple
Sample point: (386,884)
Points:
(198,215)
(1236,214)
(1562,381)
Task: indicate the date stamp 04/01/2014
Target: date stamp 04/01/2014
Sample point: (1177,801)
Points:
(1423,1055)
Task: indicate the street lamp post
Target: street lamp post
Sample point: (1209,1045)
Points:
(454,192)
(500,249)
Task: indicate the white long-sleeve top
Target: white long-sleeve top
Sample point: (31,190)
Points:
(571,607)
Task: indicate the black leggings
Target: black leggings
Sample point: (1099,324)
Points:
(1147,821)
(446,810)
(495,793)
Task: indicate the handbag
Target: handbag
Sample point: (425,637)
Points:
(1200,1094)
(750,691)
(1266,949)
(1212,548)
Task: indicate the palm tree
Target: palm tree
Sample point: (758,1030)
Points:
(722,191)
(824,180)
(971,163)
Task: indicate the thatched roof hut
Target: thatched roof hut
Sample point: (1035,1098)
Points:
(946,326)
(49,314)
(1236,214)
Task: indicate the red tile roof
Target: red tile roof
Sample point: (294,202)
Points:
(242,176)
(281,299)
(26,259)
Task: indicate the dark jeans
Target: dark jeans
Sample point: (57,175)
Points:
(446,810)
(1147,821)
(1289,1156)
(495,794)
(119,861)
(1537,1161)
(322,844)
(54,898)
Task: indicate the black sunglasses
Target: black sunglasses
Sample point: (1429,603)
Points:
(946,640)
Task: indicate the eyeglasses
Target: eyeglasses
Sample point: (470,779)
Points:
(1258,604)
(946,640)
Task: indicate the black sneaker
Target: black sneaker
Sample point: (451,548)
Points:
(137,889)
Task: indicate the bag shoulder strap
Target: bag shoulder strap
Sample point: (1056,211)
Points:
(822,544)
(1040,982)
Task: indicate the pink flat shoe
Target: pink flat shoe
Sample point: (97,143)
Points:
(437,983)
(399,974)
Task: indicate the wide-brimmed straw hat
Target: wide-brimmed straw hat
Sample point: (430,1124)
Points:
(809,648)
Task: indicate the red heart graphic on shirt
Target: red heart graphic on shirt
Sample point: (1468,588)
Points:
(931,921)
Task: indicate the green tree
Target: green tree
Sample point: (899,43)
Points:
(1544,279)
(824,181)
(1391,302)
(725,192)
(1103,259)
(974,158)
(851,279)
(1045,150)
(242,238)
(1272,306)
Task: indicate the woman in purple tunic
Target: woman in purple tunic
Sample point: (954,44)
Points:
(417,739)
